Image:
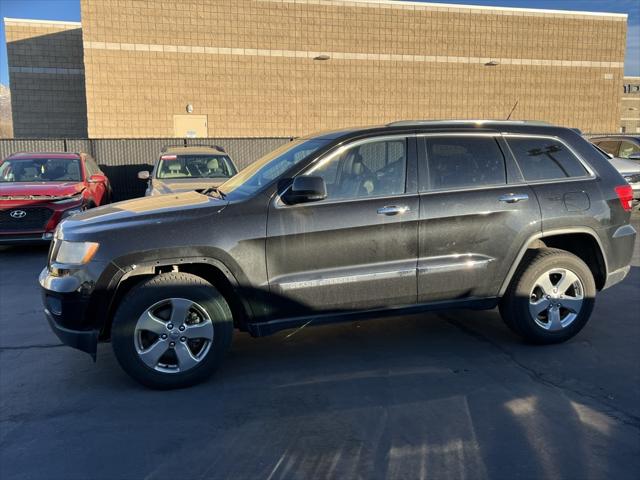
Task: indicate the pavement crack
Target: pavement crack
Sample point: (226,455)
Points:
(538,377)
(30,347)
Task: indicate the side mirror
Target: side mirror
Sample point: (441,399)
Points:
(610,155)
(634,156)
(306,189)
(144,175)
(97,178)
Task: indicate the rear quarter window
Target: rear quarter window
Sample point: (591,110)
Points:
(545,159)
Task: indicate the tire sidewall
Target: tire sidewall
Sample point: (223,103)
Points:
(155,290)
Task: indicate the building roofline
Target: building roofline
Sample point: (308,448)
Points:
(45,22)
(404,3)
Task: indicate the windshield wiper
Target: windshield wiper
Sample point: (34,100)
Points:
(216,190)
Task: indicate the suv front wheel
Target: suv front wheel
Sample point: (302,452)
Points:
(172,330)
(551,297)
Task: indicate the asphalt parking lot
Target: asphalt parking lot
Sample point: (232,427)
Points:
(448,395)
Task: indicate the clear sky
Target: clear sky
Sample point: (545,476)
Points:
(70,10)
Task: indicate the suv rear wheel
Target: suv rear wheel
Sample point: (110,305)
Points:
(172,331)
(551,297)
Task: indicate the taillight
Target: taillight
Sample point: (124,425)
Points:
(625,194)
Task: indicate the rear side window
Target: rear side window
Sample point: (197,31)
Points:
(609,146)
(545,159)
(463,162)
(627,149)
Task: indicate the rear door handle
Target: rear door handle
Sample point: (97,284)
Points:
(393,210)
(514,197)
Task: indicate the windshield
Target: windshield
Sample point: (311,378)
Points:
(40,170)
(263,171)
(195,166)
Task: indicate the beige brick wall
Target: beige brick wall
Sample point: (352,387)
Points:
(248,65)
(630,106)
(46,75)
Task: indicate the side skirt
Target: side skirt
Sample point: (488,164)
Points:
(261,329)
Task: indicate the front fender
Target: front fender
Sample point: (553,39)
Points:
(147,262)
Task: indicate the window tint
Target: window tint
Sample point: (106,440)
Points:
(261,172)
(545,159)
(609,146)
(458,162)
(627,149)
(91,166)
(195,166)
(40,170)
(372,169)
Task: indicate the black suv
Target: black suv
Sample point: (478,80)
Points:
(351,224)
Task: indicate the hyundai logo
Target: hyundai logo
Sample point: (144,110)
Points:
(18,214)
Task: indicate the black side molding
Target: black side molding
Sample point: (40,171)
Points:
(264,328)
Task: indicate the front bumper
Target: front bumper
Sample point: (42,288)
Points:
(66,300)
(87,341)
(22,238)
(38,222)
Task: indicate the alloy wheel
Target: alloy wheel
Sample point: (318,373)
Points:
(173,335)
(556,299)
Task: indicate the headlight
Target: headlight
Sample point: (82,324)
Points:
(74,198)
(71,211)
(76,253)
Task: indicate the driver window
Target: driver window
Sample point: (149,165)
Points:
(372,169)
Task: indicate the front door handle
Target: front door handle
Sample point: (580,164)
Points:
(514,197)
(393,210)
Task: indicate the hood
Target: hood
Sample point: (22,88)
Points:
(176,185)
(625,166)
(39,190)
(167,211)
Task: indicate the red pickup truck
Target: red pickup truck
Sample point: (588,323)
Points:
(38,190)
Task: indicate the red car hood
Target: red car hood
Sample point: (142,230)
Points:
(39,190)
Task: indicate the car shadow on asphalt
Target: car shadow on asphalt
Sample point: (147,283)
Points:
(455,394)
(445,395)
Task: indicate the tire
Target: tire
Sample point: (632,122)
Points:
(563,312)
(198,310)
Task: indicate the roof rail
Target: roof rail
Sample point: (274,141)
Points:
(167,147)
(407,123)
(27,152)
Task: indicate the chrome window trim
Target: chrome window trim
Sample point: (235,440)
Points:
(356,143)
(468,188)
(583,162)
(505,136)
(280,204)
(327,156)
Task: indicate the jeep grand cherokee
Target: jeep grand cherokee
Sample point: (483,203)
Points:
(357,223)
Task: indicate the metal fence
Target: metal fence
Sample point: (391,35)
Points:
(121,159)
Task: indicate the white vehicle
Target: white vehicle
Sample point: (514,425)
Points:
(184,169)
